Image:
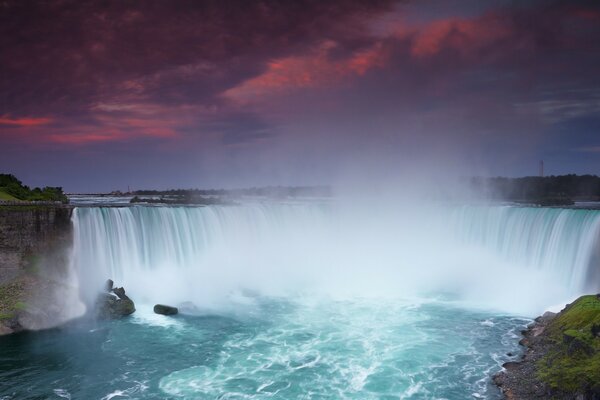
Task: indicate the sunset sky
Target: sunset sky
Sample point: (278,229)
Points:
(96,96)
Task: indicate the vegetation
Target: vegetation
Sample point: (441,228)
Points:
(13,189)
(548,190)
(573,363)
(5,196)
(187,199)
(10,302)
(269,191)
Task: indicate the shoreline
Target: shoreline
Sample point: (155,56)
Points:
(560,358)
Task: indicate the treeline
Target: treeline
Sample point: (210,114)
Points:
(269,191)
(10,185)
(560,189)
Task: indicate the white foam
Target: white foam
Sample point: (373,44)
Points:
(63,393)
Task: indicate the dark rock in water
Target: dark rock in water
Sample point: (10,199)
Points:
(165,310)
(120,292)
(114,303)
(509,354)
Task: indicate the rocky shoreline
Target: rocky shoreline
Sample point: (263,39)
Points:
(561,358)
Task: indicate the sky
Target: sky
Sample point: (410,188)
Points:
(104,95)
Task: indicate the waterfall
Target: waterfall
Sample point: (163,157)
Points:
(564,241)
(175,254)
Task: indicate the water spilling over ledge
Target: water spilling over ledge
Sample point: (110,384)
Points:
(541,256)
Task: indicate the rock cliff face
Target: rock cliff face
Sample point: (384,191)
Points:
(37,285)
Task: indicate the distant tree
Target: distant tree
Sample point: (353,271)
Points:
(13,186)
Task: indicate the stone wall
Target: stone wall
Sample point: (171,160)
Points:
(36,283)
(26,231)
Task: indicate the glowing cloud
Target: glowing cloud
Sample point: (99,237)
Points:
(23,122)
(315,70)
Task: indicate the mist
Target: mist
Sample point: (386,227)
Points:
(392,247)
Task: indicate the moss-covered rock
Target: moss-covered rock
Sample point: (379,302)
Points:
(572,363)
(562,357)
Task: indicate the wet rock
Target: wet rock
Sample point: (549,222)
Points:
(511,365)
(546,317)
(114,303)
(165,310)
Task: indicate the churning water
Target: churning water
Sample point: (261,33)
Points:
(305,300)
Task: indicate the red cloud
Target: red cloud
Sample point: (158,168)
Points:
(122,123)
(316,69)
(5,120)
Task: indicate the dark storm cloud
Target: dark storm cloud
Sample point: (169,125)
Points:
(62,56)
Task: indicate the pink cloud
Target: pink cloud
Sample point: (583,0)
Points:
(24,122)
(314,70)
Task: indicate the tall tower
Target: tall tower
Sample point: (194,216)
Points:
(541,168)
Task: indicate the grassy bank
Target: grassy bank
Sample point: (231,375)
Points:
(573,363)
(6,197)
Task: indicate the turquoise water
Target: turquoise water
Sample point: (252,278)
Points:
(267,348)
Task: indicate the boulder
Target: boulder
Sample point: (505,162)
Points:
(114,303)
(165,310)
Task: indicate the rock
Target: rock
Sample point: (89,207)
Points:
(114,303)
(546,317)
(511,365)
(555,346)
(165,310)
(537,331)
(120,292)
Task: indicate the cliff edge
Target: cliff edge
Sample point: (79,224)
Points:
(37,286)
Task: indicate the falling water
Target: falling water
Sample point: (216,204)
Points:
(196,253)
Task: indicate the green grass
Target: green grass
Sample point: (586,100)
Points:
(574,362)
(5,196)
(5,316)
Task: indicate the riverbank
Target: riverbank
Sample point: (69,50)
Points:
(562,356)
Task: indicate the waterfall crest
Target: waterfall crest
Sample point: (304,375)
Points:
(175,254)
